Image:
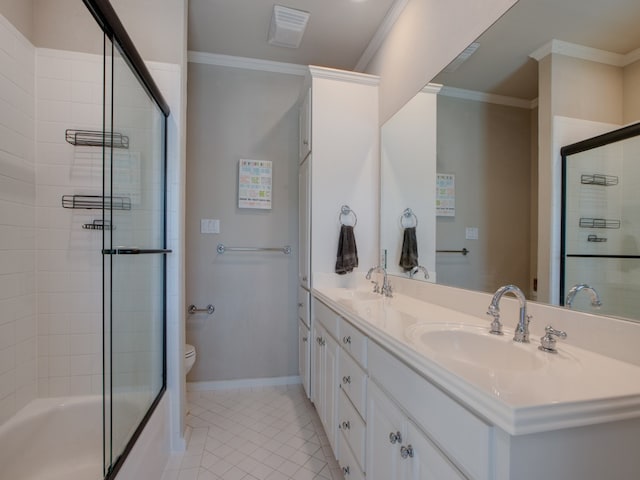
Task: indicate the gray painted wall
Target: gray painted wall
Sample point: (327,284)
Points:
(238,114)
(488,148)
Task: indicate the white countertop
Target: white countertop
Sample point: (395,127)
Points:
(573,388)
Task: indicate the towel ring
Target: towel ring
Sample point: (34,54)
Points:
(408,215)
(345,211)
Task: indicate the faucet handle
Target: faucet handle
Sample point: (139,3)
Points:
(548,341)
(496,324)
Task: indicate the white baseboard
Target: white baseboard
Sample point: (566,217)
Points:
(243,383)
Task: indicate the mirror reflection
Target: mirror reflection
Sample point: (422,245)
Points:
(476,154)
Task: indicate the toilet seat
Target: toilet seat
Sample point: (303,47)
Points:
(189,351)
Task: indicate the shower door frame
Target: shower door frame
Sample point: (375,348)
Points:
(608,138)
(113,29)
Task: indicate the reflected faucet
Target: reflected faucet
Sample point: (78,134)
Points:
(414,271)
(386,286)
(522,329)
(595,298)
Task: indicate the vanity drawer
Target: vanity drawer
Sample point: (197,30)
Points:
(327,317)
(353,341)
(465,439)
(303,306)
(353,382)
(348,464)
(353,429)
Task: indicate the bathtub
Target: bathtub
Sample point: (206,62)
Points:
(53,439)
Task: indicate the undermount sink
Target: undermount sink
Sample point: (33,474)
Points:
(473,346)
(359,295)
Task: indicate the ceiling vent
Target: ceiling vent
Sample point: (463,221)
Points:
(460,59)
(287,26)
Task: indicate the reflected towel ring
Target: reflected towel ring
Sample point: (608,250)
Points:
(408,215)
(345,211)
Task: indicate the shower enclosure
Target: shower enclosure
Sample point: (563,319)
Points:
(133,204)
(601,221)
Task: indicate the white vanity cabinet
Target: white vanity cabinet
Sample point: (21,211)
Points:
(340,396)
(305,125)
(304,339)
(338,115)
(304,355)
(304,223)
(396,448)
(325,376)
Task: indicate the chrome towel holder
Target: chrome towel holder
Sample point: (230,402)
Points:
(408,215)
(345,211)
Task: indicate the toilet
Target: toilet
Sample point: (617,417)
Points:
(189,357)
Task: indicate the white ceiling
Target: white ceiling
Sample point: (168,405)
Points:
(339,31)
(337,34)
(502,66)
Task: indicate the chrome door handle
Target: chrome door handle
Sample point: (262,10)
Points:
(346,425)
(395,437)
(134,251)
(346,379)
(346,340)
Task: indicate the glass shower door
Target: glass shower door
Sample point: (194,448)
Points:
(134,256)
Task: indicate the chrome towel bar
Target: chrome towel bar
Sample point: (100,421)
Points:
(464,251)
(222,248)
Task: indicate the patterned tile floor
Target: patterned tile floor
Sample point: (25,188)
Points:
(253,434)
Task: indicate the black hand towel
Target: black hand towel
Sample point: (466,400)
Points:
(409,255)
(347,258)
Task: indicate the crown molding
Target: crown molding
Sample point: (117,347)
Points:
(432,88)
(343,75)
(585,53)
(381,34)
(247,63)
(488,98)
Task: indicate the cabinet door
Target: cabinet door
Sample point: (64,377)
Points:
(304,355)
(386,432)
(305,126)
(330,391)
(304,224)
(424,460)
(317,375)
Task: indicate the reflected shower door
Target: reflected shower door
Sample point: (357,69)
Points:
(134,254)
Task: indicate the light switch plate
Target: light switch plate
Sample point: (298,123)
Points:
(209,225)
(471,233)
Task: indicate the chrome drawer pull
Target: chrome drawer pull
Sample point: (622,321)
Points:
(346,340)
(406,452)
(346,425)
(346,379)
(395,437)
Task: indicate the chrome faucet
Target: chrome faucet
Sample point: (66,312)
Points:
(522,329)
(595,298)
(386,286)
(416,269)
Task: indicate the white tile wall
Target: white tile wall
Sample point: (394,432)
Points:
(69,265)
(18,324)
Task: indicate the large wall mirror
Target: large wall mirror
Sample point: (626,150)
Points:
(471,166)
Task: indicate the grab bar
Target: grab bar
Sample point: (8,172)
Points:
(464,251)
(193,309)
(221,249)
